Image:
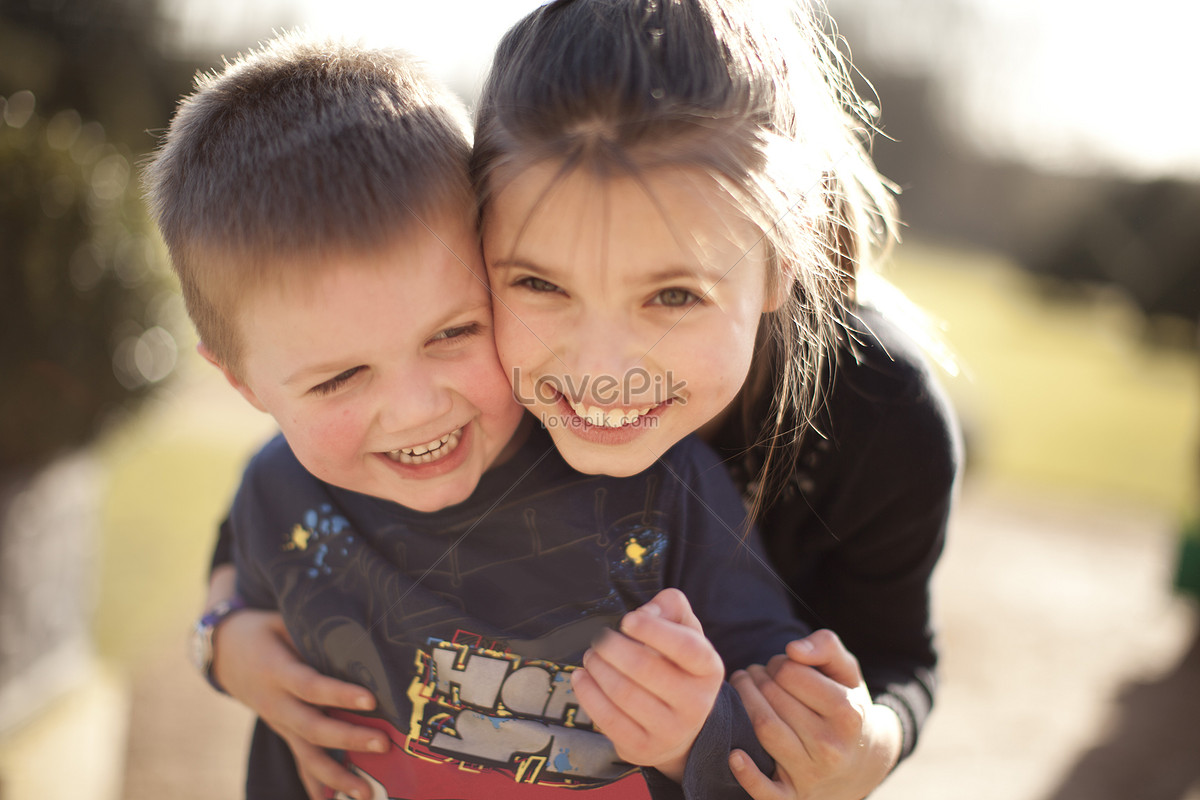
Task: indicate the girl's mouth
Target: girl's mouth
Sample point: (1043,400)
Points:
(611,417)
(429,452)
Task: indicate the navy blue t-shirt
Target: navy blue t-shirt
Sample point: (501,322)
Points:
(466,623)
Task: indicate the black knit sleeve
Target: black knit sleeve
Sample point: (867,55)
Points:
(863,521)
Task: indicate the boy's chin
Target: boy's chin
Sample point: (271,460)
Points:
(427,504)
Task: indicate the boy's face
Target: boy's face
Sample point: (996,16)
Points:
(382,370)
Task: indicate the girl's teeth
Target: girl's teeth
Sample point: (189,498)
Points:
(612,418)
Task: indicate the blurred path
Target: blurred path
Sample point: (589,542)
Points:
(1070,671)
(185,741)
(1049,612)
(1152,750)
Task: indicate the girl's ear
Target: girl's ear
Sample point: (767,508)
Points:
(244,390)
(780,282)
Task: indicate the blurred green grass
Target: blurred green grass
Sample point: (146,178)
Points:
(1062,394)
(1056,397)
(171,475)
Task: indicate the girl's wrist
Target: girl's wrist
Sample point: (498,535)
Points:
(885,736)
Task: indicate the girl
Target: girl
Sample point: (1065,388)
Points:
(677,206)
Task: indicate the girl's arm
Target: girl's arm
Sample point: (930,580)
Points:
(255,662)
(858,541)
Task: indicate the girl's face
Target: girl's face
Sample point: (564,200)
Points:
(625,308)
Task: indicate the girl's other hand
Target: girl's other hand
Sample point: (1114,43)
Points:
(650,687)
(255,661)
(813,715)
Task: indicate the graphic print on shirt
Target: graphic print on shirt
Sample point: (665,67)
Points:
(476,705)
(320,530)
(489,725)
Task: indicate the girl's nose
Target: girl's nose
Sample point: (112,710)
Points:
(607,357)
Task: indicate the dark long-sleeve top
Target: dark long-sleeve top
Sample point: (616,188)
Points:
(861,522)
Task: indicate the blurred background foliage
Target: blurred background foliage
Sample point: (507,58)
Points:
(83,329)
(86,314)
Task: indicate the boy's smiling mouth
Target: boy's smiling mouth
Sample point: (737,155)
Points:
(429,452)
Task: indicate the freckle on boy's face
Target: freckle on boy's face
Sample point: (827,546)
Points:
(382,370)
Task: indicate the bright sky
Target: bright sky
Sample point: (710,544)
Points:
(1065,83)
(1068,84)
(454,37)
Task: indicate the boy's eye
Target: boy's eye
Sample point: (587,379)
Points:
(537,285)
(676,298)
(336,382)
(457,332)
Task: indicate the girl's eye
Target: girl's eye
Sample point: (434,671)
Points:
(457,332)
(537,285)
(676,298)
(336,382)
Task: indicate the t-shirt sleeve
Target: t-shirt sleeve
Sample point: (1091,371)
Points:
(271,482)
(743,605)
(719,563)
(707,775)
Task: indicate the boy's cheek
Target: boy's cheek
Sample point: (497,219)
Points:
(323,442)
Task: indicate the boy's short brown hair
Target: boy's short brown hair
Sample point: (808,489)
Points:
(294,153)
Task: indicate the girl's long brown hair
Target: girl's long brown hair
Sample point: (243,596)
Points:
(757,95)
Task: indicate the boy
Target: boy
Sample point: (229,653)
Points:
(417,533)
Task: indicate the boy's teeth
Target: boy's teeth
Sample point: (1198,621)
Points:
(428,452)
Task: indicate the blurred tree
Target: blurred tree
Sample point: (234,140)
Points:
(83,307)
(104,58)
(82,85)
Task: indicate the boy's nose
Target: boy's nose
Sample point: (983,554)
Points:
(412,400)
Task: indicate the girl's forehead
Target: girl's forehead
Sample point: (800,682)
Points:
(548,193)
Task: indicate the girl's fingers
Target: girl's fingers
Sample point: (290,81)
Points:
(630,696)
(837,703)
(682,646)
(315,727)
(828,722)
(312,787)
(781,734)
(607,716)
(824,650)
(672,604)
(306,684)
(317,768)
(751,778)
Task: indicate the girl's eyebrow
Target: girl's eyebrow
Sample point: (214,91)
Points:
(680,272)
(518,263)
(671,272)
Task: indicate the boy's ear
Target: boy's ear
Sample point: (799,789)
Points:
(244,390)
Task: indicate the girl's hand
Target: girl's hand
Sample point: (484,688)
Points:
(255,661)
(650,687)
(813,715)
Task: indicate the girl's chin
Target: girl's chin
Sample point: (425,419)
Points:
(619,461)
